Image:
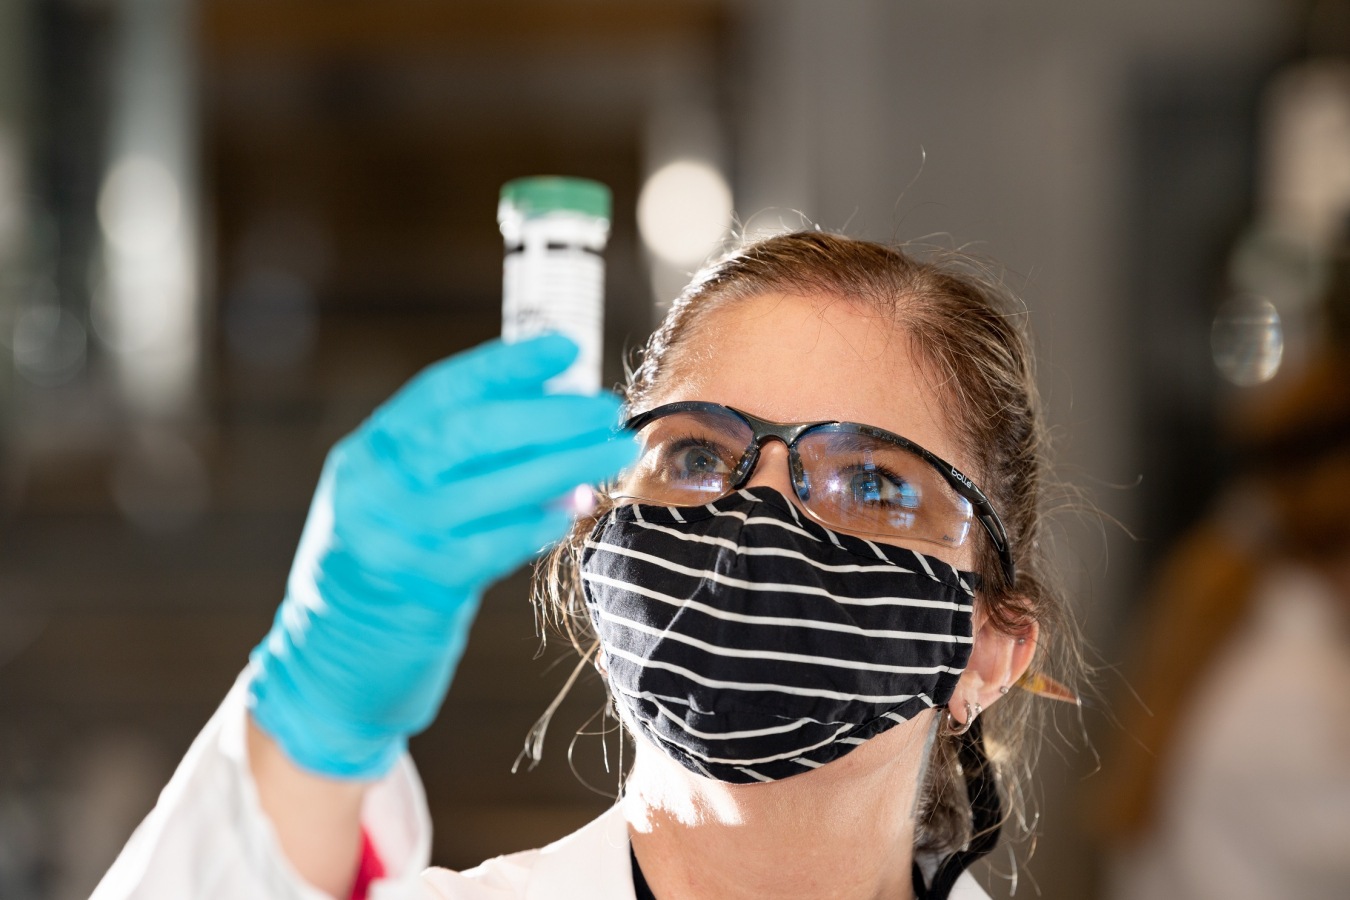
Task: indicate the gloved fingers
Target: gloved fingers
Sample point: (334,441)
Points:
(490,435)
(436,569)
(492,369)
(406,608)
(370,496)
(367,490)
(496,552)
(538,480)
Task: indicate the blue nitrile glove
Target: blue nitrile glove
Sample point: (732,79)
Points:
(447,487)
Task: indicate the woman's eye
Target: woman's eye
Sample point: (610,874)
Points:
(693,462)
(874,486)
(700,462)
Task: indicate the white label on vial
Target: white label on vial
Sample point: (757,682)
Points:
(558,290)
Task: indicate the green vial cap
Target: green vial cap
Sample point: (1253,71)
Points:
(543,194)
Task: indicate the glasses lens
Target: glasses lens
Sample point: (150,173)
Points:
(687,458)
(869,485)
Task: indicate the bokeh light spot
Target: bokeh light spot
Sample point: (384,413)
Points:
(1247,340)
(683,211)
(139,205)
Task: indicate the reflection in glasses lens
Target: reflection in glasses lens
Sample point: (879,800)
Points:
(867,484)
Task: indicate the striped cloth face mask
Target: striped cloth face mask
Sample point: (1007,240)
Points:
(750,643)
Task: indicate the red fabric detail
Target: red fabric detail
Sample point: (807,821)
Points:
(371,868)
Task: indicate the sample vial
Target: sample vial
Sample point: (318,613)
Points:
(553,277)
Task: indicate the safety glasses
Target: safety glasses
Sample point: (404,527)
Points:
(848,476)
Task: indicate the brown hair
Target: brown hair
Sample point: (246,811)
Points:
(972,334)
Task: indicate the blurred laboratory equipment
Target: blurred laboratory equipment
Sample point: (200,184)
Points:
(553,278)
(1281,265)
(1230,775)
(146,303)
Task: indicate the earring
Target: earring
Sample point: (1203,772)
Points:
(1003,689)
(955,727)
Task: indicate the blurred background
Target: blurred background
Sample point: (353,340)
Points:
(229,228)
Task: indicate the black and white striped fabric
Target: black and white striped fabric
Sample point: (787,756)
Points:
(751,643)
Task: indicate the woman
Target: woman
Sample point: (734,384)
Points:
(805,627)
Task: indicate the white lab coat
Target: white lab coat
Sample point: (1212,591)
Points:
(208,839)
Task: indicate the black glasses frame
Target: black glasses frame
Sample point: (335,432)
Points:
(789,433)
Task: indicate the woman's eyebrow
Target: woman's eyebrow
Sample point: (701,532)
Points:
(837,441)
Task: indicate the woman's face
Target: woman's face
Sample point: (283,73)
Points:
(795,359)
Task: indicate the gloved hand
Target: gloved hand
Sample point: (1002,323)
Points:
(448,486)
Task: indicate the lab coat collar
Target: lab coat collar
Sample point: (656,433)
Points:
(593,863)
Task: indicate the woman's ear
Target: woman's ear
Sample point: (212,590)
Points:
(997,661)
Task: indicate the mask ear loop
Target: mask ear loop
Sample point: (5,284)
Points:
(986,816)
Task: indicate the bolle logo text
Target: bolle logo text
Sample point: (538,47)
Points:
(961,478)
